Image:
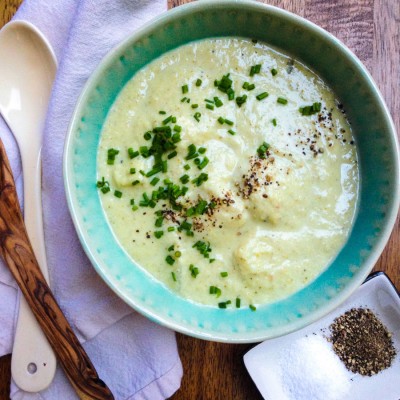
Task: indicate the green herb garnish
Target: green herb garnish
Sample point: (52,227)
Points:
(262,150)
(281,100)
(309,110)
(111,153)
(194,271)
(255,69)
(241,100)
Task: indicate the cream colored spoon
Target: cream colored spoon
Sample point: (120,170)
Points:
(27,70)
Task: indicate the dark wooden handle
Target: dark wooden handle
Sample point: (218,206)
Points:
(16,250)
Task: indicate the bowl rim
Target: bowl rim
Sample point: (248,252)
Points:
(179,12)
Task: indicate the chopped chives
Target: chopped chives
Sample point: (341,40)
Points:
(183,99)
(195,106)
(237,302)
(144,151)
(173,120)
(154,181)
(231,94)
(103,185)
(241,100)
(309,110)
(132,170)
(210,106)
(198,82)
(262,96)
(186,167)
(111,153)
(177,254)
(218,102)
(224,84)
(255,69)
(200,179)
(252,308)
(177,128)
(171,229)
(158,234)
(134,183)
(171,248)
(159,222)
(203,248)
(224,274)
(194,271)
(274,122)
(176,137)
(202,150)
(263,149)
(135,207)
(248,86)
(197,116)
(185,89)
(316,107)
(132,153)
(231,132)
(173,276)
(142,172)
(204,163)
(281,100)
(118,194)
(167,120)
(172,155)
(132,202)
(221,120)
(274,71)
(169,260)
(185,226)
(228,121)
(208,101)
(162,112)
(155,170)
(191,152)
(184,178)
(147,135)
(223,304)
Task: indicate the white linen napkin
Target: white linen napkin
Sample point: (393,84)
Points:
(137,359)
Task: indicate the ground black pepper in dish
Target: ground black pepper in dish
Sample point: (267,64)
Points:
(362,342)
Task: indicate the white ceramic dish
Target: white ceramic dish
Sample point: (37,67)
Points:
(381,297)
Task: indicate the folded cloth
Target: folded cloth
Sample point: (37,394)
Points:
(137,359)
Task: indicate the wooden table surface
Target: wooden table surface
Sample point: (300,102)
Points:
(371,28)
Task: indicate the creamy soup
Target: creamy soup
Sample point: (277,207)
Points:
(228,171)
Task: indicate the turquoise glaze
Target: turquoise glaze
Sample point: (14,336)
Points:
(378,155)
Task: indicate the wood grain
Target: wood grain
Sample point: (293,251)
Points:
(7,9)
(17,252)
(5,377)
(371,28)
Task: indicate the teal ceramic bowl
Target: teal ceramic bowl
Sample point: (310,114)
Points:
(378,158)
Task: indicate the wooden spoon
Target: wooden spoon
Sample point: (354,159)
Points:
(16,250)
